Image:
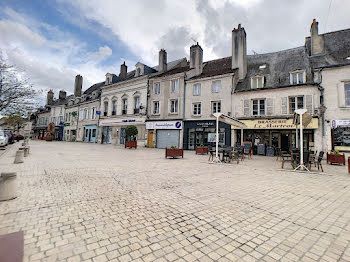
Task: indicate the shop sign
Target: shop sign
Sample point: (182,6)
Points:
(164,125)
(338,123)
(277,124)
(66,124)
(120,122)
(205,124)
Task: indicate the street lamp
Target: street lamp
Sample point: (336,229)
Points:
(217,159)
(300,112)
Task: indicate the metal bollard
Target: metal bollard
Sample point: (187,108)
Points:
(19,156)
(26,151)
(8,186)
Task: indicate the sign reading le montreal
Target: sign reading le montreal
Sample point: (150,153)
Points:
(276,124)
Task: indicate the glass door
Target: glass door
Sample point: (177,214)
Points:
(191,139)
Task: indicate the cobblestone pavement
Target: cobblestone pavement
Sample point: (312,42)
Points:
(91,202)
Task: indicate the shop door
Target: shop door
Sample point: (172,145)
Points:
(191,139)
(86,134)
(150,139)
(122,136)
(284,142)
(93,135)
(168,138)
(109,135)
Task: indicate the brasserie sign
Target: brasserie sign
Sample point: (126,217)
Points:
(276,124)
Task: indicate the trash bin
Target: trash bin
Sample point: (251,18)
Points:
(8,186)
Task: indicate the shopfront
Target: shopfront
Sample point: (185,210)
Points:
(113,130)
(197,133)
(340,135)
(162,134)
(277,133)
(90,133)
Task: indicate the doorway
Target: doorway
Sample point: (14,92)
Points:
(284,142)
(122,136)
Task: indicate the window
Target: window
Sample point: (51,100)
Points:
(93,113)
(86,114)
(173,106)
(197,109)
(93,132)
(216,107)
(157,88)
(155,107)
(105,108)
(347,93)
(197,89)
(61,110)
(175,86)
(69,116)
(257,82)
(114,107)
(296,102)
(81,114)
(258,107)
(137,102)
(66,118)
(125,106)
(216,87)
(297,78)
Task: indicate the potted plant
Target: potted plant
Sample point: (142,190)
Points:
(174,152)
(335,157)
(131,133)
(50,132)
(202,150)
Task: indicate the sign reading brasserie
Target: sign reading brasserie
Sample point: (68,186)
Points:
(276,124)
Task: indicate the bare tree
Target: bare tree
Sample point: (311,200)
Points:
(17,96)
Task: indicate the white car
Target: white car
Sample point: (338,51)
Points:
(3,138)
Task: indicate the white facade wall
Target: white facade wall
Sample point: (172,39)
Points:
(333,83)
(57,114)
(207,97)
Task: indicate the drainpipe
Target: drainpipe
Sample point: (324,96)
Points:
(322,102)
(76,136)
(184,99)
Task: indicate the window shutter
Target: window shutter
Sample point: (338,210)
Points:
(309,104)
(341,95)
(269,106)
(284,105)
(246,107)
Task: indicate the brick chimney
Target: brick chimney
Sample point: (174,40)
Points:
(123,71)
(196,58)
(78,85)
(317,43)
(162,60)
(239,51)
(62,95)
(49,98)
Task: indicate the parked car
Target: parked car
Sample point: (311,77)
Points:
(3,138)
(19,137)
(10,136)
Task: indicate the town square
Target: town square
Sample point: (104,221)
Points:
(199,130)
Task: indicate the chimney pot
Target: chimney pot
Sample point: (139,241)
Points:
(78,85)
(123,71)
(162,60)
(239,51)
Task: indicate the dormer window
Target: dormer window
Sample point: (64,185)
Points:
(109,78)
(297,77)
(257,82)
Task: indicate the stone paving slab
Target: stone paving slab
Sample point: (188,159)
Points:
(91,202)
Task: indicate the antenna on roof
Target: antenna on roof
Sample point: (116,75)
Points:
(194,40)
(255,53)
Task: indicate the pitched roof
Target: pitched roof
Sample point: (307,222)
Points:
(276,68)
(216,67)
(173,71)
(337,49)
(93,88)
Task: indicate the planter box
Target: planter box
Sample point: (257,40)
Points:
(202,150)
(131,144)
(49,138)
(336,159)
(174,152)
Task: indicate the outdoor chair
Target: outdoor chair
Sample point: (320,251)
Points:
(278,153)
(211,153)
(248,153)
(313,157)
(287,158)
(319,161)
(234,155)
(226,153)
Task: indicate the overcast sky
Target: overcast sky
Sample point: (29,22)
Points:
(56,40)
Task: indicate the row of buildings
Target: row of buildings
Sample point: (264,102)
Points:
(173,103)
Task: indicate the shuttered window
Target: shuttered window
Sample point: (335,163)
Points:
(347,93)
(309,104)
(246,107)
(284,105)
(269,107)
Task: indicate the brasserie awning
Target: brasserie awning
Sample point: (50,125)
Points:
(232,121)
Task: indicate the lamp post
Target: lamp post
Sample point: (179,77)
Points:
(300,112)
(217,159)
